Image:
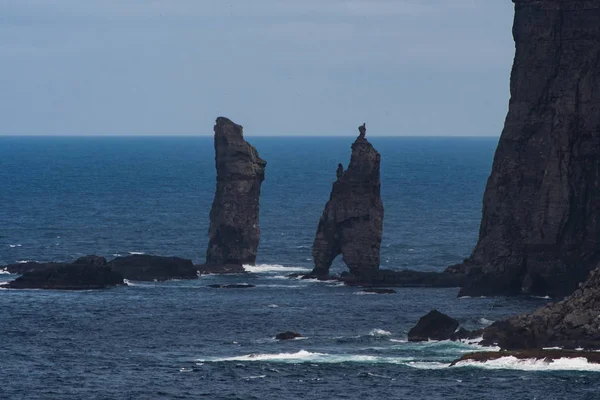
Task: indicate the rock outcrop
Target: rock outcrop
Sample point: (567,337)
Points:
(68,277)
(433,326)
(143,267)
(352,222)
(234,218)
(571,323)
(407,278)
(540,230)
(289,335)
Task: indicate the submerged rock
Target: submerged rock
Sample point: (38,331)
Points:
(379,291)
(352,222)
(540,229)
(234,231)
(433,326)
(289,335)
(142,267)
(571,323)
(68,277)
(233,286)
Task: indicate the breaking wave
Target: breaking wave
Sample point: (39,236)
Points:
(307,356)
(271,268)
(561,364)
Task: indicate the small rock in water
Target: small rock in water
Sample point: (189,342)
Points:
(289,335)
(433,326)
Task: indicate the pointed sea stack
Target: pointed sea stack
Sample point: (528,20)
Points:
(540,231)
(234,231)
(352,221)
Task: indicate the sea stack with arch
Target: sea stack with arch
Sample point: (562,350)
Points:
(234,232)
(352,222)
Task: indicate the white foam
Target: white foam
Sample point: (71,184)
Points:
(485,321)
(4,272)
(561,364)
(12,246)
(25,261)
(379,333)
(304,356)
(273,306)
(136,253)
(269,268)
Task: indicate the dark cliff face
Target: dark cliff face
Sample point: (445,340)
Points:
(234,230)
(352,221)
(540,231)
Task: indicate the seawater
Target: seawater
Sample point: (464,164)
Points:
(61,198)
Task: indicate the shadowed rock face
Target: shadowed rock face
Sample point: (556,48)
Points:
(234,230)
(540,231)
(352,221)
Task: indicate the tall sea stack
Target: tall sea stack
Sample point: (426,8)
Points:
(540,231)
(352,221)
(234,230)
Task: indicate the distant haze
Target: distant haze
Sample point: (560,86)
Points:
(278,67)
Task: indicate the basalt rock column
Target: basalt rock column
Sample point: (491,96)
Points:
(234,230)
(352,221)
(540,231)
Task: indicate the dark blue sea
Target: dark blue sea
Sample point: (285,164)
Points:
(62,198)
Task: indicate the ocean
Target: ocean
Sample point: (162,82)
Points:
(65,197)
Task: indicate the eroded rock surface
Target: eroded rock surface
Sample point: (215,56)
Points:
(234,218)
(571,323)
(352,222)
(540,231)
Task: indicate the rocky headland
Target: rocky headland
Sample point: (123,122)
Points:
(573,323)
(234,232)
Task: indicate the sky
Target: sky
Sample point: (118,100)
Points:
(277,67)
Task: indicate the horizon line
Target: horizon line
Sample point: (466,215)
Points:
(254,136)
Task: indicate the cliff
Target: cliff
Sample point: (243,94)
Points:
(540,229)
(234,218)
(352,222)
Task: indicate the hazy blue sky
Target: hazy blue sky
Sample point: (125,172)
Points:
(319,67)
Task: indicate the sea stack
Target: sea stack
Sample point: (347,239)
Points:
(540,230)
(352,221)
(234,230)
